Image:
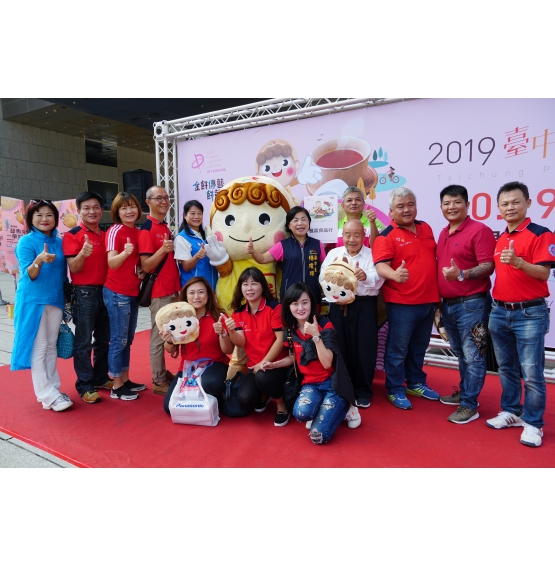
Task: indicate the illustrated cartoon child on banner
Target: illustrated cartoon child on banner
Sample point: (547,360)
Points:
(245,207)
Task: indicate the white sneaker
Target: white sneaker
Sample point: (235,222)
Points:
(308,424)
(61,403)
(505,419)
(353,418)
(531,436)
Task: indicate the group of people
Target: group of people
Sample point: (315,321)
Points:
(335,355)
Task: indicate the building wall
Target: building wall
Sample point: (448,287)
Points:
(49,165)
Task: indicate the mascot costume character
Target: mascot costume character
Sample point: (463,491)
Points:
(246,207)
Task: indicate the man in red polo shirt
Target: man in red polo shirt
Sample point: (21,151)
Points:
(465,262)
(519,319)
(156,246)
(85,252)
(405,256)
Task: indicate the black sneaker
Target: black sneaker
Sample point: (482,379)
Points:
(261,404)
(282,419)
(363,403)
(123,393)
(134,387)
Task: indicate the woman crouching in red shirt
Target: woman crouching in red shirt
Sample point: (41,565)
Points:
(327,391)
(256,327)
(213,342)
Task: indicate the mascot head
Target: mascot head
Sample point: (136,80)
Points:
(180,320)
(339,282)
(250,207)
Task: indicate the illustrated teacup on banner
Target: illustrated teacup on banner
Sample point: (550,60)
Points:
(344,158)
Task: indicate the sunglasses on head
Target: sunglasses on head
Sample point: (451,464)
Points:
(38,201)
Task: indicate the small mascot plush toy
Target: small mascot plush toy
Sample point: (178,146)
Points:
(339,282)
(180,320)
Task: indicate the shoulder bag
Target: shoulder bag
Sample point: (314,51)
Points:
(145,291)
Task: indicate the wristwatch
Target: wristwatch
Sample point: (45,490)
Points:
(461,276)
(36,265)
(317,338)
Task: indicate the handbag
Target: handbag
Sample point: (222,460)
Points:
(189,403)
(292,385)
(66,340)
(230,403)
(145,291)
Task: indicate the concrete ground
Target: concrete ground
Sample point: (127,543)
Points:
(15,453)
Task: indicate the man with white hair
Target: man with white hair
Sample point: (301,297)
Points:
(405,256)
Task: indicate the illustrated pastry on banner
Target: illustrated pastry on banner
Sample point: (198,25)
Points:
(180,320)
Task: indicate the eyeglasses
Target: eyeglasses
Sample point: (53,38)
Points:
(38,201)
(160,199)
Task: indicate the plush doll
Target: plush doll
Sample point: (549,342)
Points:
(339,282)
(180,320)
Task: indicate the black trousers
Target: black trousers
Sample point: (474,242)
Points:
(357,338)
(213,379)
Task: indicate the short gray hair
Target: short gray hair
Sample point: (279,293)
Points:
(148,194)
(400,192)
(353,190)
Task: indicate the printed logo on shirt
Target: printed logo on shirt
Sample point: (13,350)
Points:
(552,249)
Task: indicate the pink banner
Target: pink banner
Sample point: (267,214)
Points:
(68,215)
(13,226)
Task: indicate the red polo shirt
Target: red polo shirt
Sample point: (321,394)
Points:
(151,239)
(259,329)
(472,243)
(314,372)
(96,265)
(534,244)
(206,346)
(396,244)
(124,279)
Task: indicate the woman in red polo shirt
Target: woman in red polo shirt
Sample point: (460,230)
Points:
(256,326)
(213,341)
(327,390)
(121,290)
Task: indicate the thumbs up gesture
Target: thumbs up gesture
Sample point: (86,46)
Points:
(508,256)
(249,247)
(452,272)
(311,328)
(45,256)
(168,245)
(128,247)
(401,273)
(201,253)
(87,249)
(360,274)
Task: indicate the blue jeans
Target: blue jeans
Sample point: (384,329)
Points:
(410,327)
(321,404)
(518,341)
(91,322)
(466,324)
(123,311)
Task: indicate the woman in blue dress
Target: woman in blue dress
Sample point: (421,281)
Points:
(189,247)
(39,303)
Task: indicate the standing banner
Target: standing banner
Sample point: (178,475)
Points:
(323,215)
(424,145)
(69,216)
(13,226)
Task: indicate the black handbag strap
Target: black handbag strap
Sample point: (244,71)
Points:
(160,266)
(292,351)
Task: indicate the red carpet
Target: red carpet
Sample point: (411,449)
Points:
(139,433)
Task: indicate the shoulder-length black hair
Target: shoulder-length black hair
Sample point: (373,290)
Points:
(212,305)
(237,300)
(184,226)
(291,215)
(293,294)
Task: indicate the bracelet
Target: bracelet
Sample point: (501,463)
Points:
(223,335)
(519,264)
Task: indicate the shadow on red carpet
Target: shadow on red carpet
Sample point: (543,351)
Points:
(139,434)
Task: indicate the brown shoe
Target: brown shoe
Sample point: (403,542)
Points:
(169,377)
(161,388)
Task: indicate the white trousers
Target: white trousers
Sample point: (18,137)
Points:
(46,380)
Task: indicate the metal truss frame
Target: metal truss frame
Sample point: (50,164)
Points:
(273,111)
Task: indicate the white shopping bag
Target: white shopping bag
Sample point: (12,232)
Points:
(189,403)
